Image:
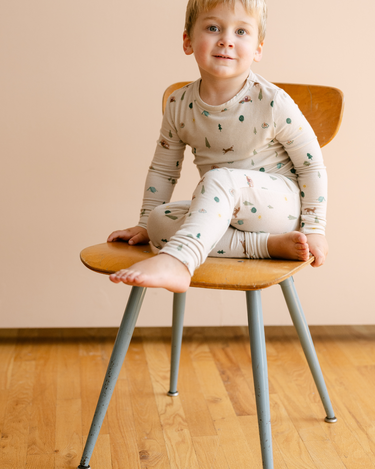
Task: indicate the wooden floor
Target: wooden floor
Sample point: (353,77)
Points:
(50,381)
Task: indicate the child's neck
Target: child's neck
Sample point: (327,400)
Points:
(216,92)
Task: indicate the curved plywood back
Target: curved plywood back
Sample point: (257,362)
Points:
(322,106)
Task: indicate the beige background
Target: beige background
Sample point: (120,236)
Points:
(80,109)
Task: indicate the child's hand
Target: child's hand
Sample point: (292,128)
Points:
(134,235)
(318,247)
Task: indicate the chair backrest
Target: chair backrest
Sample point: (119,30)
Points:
(322,106)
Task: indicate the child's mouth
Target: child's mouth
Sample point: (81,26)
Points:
(223,57)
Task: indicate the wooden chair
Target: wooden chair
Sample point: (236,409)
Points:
(323,107)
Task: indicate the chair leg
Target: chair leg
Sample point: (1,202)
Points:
(177,329)
(299,321)
(120,348)
(259,363)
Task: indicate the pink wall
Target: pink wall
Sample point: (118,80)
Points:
(80,109)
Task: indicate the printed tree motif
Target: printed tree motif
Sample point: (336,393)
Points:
(262,170)
(302,194)
(221,252)
(321,199)
(183,96)
(206,113)
(316,220)
(292,218)
(203,190)
(241,118)
(272,103)
(152,189)
(255,130)
(207,143)
(198,235)
(191,105)
(170,134)
(289,121)
(260,96)
(177,164)
(220,128)
(164,241)
(310,157)
(216,199)
(270,206)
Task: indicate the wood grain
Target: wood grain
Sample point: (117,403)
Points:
(177,437)
(215,273)
(209,425)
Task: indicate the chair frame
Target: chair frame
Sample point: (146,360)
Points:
(319,104)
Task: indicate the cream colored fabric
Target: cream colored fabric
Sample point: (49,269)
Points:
(252,202)
(260,129)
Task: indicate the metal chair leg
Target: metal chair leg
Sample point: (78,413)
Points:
(177,330)
(259,363)
(299,321)
(120,348)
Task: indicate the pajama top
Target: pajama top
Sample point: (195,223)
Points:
(260,129)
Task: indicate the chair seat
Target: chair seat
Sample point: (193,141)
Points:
(216,273)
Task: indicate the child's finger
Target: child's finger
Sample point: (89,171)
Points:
(119,234)
(138,239)
(319,259)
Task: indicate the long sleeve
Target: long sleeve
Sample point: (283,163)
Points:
(300,142)
(165,168)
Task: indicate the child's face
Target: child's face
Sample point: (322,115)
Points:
(224,42)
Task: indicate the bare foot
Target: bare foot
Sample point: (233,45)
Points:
(161,271)
(291,245)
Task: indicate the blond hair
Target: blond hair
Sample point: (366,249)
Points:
(257,8)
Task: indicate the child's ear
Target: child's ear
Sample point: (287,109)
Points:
(258,52)
(186,44)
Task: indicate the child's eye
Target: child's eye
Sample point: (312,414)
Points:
(241,32)
(213,29)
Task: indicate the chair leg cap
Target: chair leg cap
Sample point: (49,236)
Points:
(83,467)
(330,420)
(173,394)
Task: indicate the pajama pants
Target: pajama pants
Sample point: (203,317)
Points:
(231,214)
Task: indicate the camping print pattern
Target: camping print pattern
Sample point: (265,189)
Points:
(254,132)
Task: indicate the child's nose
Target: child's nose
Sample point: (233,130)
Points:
(226,41)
